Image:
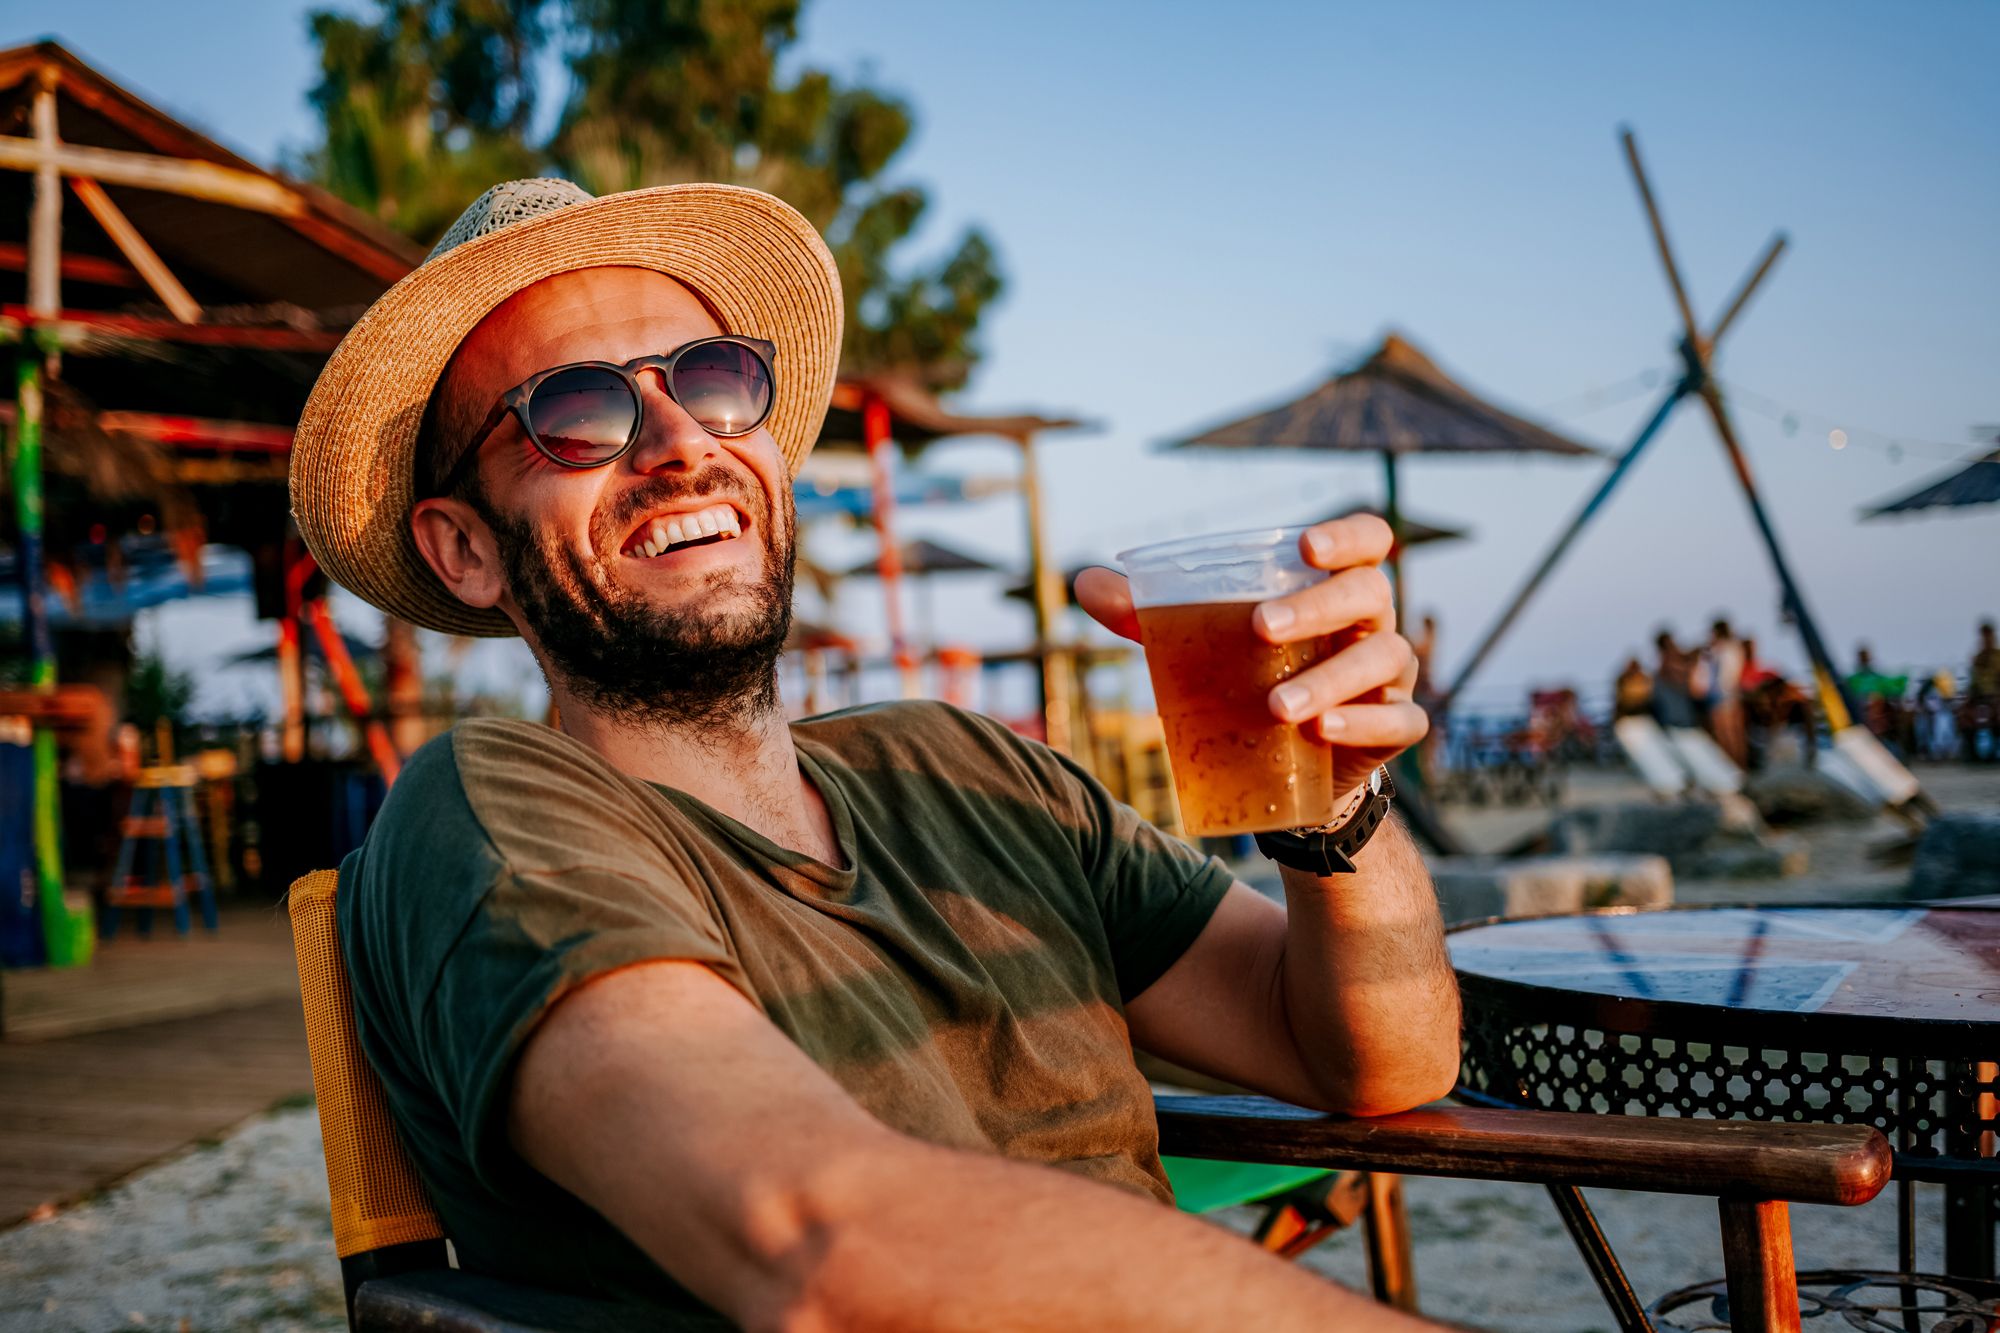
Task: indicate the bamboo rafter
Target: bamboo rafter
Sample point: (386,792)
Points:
(184,176)
(137,252)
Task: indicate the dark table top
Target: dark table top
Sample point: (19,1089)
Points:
(1917,962)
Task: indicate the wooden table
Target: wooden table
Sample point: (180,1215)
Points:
(1879,1015)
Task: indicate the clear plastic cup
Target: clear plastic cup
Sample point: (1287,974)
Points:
(1237,768)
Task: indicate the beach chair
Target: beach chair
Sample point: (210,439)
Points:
(398,1275)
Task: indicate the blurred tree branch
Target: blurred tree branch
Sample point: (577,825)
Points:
(425,103)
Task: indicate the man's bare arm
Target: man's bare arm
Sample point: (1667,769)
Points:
(662,1098)
(1345,1002)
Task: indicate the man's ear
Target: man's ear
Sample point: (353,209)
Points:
(458,546)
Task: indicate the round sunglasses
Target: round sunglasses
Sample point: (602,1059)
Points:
(589,413)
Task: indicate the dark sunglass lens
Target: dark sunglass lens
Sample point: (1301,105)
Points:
(725,386)
(583,415)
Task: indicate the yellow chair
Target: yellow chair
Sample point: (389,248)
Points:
(393,1259)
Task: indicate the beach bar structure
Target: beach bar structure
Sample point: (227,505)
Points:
(167,305)
(875,411)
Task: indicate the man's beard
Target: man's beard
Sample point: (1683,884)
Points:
(693,669)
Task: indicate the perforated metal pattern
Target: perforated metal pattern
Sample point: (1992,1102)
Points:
(1844,1301)
(376,1196)
(1931,1104)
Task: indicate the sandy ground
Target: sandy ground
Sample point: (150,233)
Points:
(235,1235)
(230,1235)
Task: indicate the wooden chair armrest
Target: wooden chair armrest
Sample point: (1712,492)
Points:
(446,1300)
(1731,1159)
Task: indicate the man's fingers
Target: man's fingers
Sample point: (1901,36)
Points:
(1374,663)
(1340,543)
(1352,599)
(1376,726)
(1106,595)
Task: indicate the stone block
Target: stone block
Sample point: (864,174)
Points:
(1795,794)
(1766,858)
(1958,857)
(1672,831)
(1471,888)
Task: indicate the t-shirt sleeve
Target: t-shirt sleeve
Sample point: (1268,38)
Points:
(1154,892)
(506,871)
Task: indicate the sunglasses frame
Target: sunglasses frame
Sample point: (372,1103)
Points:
(517,400)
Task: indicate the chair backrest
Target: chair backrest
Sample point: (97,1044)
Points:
(378,1201)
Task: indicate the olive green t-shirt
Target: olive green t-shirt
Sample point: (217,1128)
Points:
(964,977)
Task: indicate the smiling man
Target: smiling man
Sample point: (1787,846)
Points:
(795,1026)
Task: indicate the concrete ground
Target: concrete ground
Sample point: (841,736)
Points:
(234,1234)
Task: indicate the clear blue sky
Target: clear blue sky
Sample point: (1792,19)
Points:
(1202,209)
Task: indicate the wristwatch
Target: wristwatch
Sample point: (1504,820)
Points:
(1329,849)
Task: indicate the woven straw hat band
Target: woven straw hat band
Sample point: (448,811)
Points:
(758,264)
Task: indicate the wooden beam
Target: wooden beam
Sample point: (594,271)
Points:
(338,240)
(78,268)
(45,214)
(77,327)
(234,437)
(144,171)
(230,471)
(133,246)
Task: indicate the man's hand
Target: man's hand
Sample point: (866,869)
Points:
(1359,699)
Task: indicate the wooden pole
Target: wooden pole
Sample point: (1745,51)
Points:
(1695,351)
(137,252)
(889,560)
(66,946)
(1737,302)
(1393,514)
(1058,674)
(45,213)
(60,939)
(1757,1260)
(190,177)
(1555,553)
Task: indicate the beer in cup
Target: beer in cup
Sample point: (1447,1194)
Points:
(1237,768)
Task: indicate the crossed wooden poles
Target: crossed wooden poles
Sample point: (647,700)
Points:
(1697,380)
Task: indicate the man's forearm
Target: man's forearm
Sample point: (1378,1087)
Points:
(929,1238)
(1366,983)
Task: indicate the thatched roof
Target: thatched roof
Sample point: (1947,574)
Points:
(1978,483)
(1412,531)
(917,418)
(1396,401)
(922,556)
(302,247)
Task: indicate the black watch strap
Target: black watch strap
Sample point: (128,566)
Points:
(1331,850)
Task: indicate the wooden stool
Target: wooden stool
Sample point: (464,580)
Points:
(162,813)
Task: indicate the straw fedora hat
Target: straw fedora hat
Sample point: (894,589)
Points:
(759,265)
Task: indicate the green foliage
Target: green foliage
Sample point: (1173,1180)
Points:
(154,691)
(427,102)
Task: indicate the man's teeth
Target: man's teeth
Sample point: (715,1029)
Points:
(663,534)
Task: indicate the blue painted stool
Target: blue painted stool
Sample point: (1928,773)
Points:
(162,817)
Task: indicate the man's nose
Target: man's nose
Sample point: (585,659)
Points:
(670,440)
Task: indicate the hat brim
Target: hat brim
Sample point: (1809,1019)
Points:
(754,259)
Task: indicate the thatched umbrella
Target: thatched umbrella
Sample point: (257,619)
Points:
(1395,401)
(922,558)
(1409,531)
(1977,483)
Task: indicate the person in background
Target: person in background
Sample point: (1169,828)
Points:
(1984,677)
(1632,692)
(1757,673)
(1880,696)
(1673,700)
(1936,721)
(1725,691)
(1979,715)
